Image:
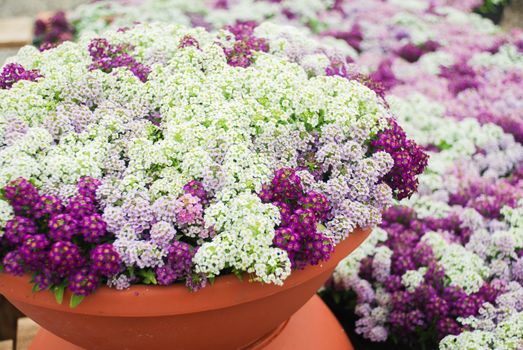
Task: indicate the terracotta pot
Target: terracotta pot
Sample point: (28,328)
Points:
(312,327)
(230,314)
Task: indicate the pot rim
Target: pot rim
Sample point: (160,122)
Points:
(225,292)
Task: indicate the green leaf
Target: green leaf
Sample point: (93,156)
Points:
(211,280)
(320,227)
(130,269)
(148,276)
(35,288)
(336,297)
(59,293)
(238,275)
(75,300)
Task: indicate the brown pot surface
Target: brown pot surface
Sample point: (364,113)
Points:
(230,314)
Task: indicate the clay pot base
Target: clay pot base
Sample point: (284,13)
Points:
(312,327)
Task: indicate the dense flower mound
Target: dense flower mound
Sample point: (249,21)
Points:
(159,154)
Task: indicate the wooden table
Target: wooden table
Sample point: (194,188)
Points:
(16,31)
(12,321)
(26,331)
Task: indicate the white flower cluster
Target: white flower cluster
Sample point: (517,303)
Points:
(349,267)
(506,336)
(411,279)
(508,57)
(6,214)
(247,230)
(301,46)
(462,267)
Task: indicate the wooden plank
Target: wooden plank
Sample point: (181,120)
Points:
(27,329)
(15,32)
(9,315)
(6,345)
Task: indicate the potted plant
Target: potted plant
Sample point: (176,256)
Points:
(159,156)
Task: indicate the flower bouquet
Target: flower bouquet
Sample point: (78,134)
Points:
(159,155)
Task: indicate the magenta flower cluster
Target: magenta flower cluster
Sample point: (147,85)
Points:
(60,244)
(242,51)
(52,31)
(14,72)
(460,77)
(353,36)
(411,52)
(409,159)
(384,75)
(106,57)
(301,213)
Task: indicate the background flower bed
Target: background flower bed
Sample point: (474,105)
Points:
(437,73)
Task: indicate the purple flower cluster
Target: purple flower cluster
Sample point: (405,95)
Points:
(59,244)
(411,53)
(384,75)
(241,52)
(52,31)
(410,160)
(460,77)
(301,214)
(433,305)
(353,37)
(487,197)
(106,57)
(14,72)
(195,188)
(178,265)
